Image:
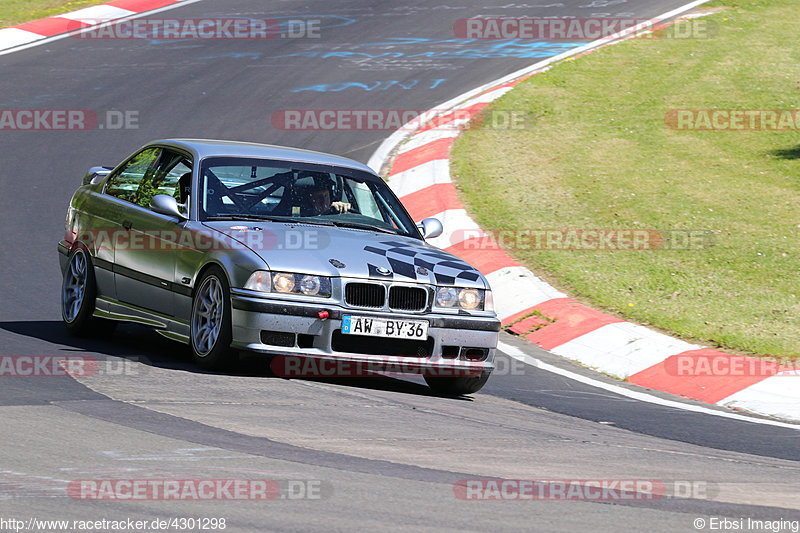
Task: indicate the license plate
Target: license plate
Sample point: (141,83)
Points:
(382,327)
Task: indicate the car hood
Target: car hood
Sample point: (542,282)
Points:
(353,253)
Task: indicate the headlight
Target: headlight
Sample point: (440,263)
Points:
(310,285)
(283,282)
(446,297)
(469,299)
(455,298)
(289,283)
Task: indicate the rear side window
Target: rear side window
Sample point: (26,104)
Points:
(125,183)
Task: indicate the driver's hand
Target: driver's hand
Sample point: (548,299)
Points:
(340,207)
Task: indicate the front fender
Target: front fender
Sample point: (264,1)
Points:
(234,258)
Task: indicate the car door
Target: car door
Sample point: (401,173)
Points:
(145,269)
(109,211)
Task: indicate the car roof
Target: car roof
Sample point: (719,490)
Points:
(203,148)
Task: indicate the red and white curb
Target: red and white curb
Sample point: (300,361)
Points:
(31,33)
(417,159)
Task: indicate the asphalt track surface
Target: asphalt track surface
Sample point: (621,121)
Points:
(385,451)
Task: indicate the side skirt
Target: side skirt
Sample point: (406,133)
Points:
(169,327)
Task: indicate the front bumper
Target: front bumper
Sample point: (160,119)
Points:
(449,336)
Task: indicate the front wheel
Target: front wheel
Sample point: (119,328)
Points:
(452,386)
(211,321)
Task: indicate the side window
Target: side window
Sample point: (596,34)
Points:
(125,183)
(165,179)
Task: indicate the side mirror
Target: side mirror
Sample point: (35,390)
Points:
(165,204)
(95,175)
(430,228)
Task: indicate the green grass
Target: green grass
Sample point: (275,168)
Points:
(13,12)
(600,156)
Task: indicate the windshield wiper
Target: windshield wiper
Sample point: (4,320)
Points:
(249,218)
(315,222)
(369,227)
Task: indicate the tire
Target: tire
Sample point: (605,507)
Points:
(451,386)
(79,298)
(210,332)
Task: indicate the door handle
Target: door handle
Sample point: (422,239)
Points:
(127,224)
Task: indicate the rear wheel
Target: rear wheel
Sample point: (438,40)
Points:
(79,297)
(452,386)
(211,336)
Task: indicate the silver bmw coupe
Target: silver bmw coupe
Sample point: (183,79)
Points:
(232,247)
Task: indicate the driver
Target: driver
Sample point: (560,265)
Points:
(321,201)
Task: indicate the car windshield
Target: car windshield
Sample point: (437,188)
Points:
(243,188)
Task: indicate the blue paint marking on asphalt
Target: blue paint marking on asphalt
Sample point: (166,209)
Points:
(466,49)
(445,49)
(374,86)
